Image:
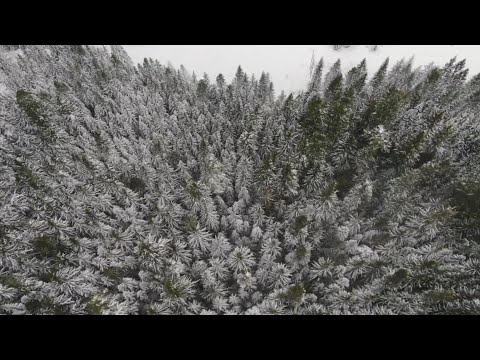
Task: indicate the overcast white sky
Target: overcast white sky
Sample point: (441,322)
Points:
(289,65)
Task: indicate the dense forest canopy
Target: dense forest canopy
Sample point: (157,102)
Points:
(146,190)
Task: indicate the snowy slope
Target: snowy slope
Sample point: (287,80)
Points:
(289,64)
(13,55)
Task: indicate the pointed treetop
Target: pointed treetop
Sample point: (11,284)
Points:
(334,75)
(357,76)
(363,64)
(316,80)
(220,80)
(312,63)
(239,74)
(380,74)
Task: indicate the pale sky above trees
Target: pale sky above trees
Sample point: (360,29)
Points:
(289,64)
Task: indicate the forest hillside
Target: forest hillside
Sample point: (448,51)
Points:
(146,190)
